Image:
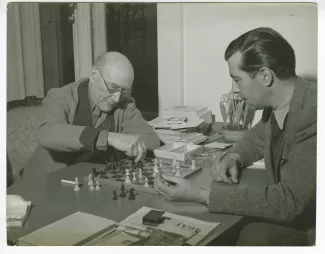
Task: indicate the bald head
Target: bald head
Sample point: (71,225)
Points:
(116,68)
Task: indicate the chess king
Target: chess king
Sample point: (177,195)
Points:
(91,119)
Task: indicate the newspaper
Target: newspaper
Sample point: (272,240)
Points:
(191,230)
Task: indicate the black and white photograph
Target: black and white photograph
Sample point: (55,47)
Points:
(161,124)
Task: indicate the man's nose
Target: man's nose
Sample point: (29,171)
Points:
(234,87)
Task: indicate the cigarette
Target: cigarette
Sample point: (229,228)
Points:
(68,182)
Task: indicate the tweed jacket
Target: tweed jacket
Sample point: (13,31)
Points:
(58,137)
(291,196)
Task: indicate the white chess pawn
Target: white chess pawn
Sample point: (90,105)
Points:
(127,179)
(76,187)
(193,165)
(140,173)
(155,168)
(97,185)
(134,179)
(146,182)
(91,187)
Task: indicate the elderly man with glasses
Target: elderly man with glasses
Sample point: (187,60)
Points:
(91,119)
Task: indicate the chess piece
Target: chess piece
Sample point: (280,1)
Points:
(131,195)
(106,166)
(140,173)
(76,188)
(94,172)
(146,182)
(122,191)
(155,168)
(161,163)
(174,166)
(134,179)
(193,165)
(127,179)
(92,186)
(97,185)
(115,196)
(178,173)
(90,180)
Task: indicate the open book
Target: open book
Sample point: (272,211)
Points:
(17,210)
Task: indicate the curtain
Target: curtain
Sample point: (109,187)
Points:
(24,53)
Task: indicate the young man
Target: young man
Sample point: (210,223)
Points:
(262,63)
(91,119)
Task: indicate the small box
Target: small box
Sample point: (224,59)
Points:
(178,150)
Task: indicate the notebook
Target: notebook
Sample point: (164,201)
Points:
(75,229)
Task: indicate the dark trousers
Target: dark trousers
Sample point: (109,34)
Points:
(267,234)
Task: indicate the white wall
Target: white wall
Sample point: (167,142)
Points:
(192,38)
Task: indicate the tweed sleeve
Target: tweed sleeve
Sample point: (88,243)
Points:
(134,123)
(251,147)
(53,130)
(286,200)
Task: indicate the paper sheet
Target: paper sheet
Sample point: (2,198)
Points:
(217,145)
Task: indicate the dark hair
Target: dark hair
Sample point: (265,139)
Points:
(264,47)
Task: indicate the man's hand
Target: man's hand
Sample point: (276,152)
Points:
(179,189)
(227,169)
(131,144)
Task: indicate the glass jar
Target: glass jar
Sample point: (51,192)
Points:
(207,159)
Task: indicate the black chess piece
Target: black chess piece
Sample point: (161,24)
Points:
(122,191)
(131,195)
(115,196)
(106,166)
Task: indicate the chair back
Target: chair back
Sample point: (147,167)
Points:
(21,141)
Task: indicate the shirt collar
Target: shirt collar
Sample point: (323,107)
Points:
(280,115)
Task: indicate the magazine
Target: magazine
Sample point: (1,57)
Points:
(175,230)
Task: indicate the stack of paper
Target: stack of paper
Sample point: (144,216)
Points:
(190,112)
(187,130)
(17,210)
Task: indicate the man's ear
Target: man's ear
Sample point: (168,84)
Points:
(266,76)
(93,75)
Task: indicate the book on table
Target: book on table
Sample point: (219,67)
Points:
(75,229)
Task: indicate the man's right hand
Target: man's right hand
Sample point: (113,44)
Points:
(131,144)
(227,169)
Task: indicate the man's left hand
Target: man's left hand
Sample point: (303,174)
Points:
(180,189)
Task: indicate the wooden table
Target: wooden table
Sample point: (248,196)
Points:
(53,201)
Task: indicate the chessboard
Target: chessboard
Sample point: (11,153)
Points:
(114,173)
